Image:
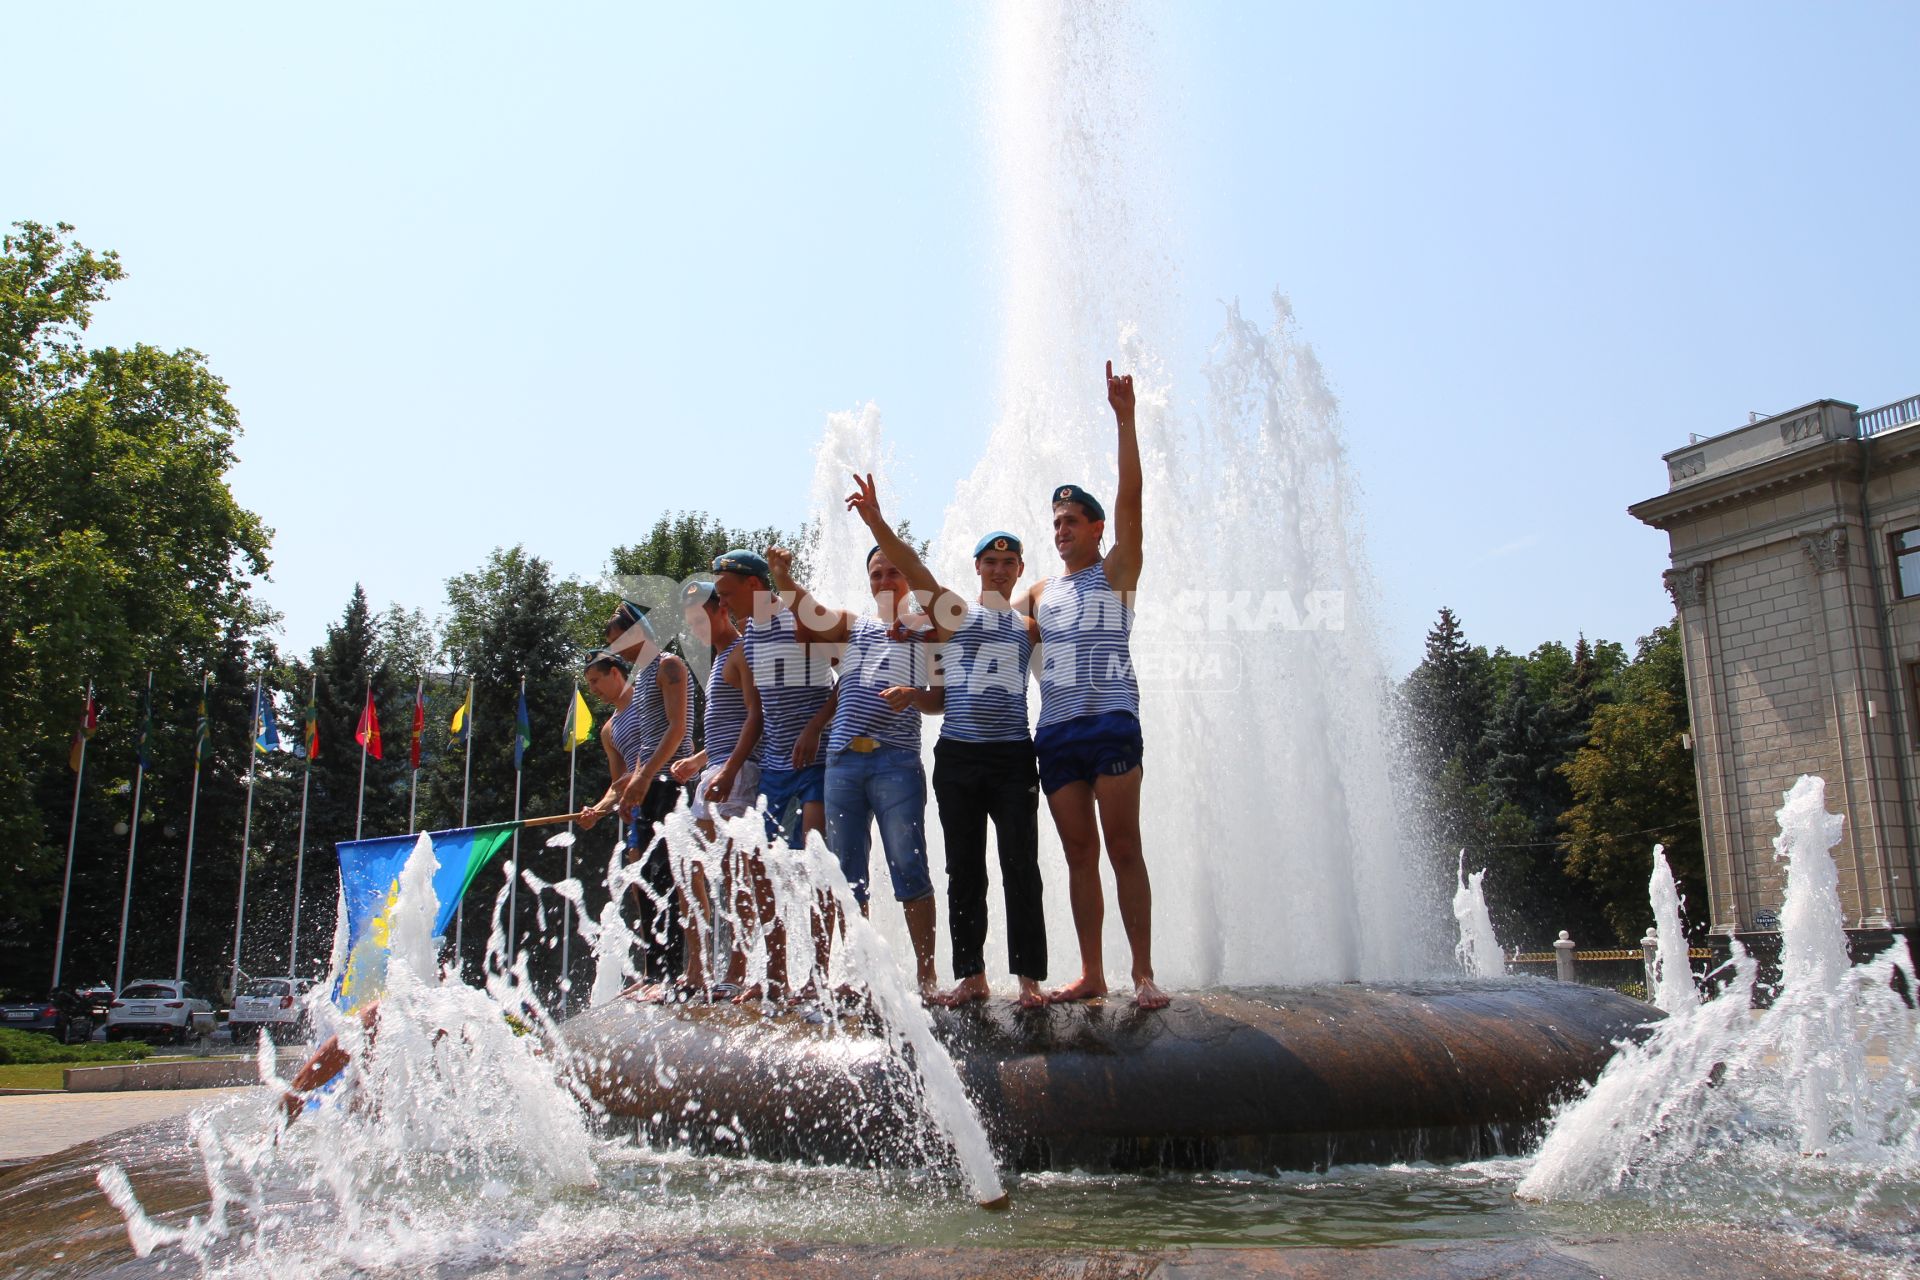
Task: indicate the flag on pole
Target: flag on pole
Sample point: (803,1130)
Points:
(89,721)
(368,734)
(522,732)
(419,722)
(203,729)
(310,720)
(579,721)
(145,735)
(370,885)
(267,733)
(462,717)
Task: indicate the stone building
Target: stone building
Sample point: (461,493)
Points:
(1795,543)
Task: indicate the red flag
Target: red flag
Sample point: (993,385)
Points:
(368,734)
(89,721)
(419,722)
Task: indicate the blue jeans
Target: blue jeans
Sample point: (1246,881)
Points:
(890,785)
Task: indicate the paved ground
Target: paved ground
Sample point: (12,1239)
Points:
(43,1123)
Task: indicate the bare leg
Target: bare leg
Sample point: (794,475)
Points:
(699,927)
(921,923)
(1119,803)
(757,914)
(1073,814)
(813,820)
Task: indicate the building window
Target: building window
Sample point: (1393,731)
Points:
(1913,702)
(1906,563)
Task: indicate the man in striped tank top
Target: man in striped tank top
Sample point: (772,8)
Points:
(708,622)
(873,744)
(1089,732)
(649,730)
(983,765)
(788,690)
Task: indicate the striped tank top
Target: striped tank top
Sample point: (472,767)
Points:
(793,679)
(639,729)
(1085,666)
(984,671)
(726,709)
(873,662)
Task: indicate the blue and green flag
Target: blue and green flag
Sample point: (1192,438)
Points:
(266,733)
(203,729)
(370,881)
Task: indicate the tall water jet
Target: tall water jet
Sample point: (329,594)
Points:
(1478,951)
(1670,985)
(1268,815)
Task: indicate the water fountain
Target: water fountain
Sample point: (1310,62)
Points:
(1324,1025)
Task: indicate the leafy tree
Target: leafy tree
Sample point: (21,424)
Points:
(1632,785)
(121,551)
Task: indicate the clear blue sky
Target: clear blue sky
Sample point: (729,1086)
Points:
(463,265)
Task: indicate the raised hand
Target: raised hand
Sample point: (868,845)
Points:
(864,501)
(1120,392)
(780,560)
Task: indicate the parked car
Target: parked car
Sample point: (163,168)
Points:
(63,1014)
(99,999)
(159,1008)
(270,1005)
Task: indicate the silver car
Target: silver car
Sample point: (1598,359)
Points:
(270,1005)
(159,1009)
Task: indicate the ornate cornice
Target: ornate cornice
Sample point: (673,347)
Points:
(1827,549)
(1687,585)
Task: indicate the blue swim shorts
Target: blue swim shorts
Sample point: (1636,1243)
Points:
(1085,747)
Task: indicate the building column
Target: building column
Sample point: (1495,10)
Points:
(1844,672)
(1720,829)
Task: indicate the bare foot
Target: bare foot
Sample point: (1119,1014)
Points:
(1031,996)
(1148,996)
(969,990)
(1084,989)
(756,992)
(646,992)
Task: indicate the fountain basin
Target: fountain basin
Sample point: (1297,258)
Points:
(1250,1079)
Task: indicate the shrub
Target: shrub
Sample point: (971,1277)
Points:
(33,1046)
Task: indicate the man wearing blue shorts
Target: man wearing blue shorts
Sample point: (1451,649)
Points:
(1088,737)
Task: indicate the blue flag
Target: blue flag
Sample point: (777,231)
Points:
(268,736)
(370,882)
(523,732)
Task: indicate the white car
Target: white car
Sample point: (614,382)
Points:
(270,1005)
(159,1008)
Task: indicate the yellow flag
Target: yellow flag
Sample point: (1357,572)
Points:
(459,725)
(579,721)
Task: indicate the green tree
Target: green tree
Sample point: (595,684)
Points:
(1448,700)
(121,551)
(1632,785)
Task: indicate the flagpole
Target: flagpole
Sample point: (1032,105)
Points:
(360,805)
(300,855)
(73,832)
(133,835)
(566,904)
(186,885)
(246,842)
(466,791)
(413,787)
(513,886)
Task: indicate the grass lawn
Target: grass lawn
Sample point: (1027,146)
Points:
(42,1075)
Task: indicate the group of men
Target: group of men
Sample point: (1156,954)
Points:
(817,712)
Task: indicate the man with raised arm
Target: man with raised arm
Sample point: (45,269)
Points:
(1089,732)
(873,744)
(983,764)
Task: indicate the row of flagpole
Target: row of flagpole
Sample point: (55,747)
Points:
(264,736)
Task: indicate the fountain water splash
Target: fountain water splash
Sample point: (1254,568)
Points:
(1811,1106)
(1670,982)
(1478,951)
